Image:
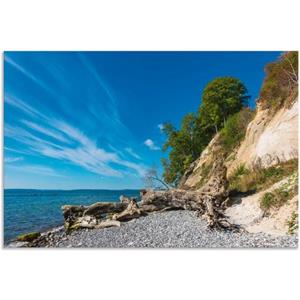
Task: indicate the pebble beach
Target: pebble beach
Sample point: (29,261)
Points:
(172,229)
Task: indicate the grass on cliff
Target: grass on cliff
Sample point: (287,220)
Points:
(276,198)
(244,180)
(234,129)
(293,223)
(279,196)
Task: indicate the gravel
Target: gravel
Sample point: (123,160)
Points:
(173,229)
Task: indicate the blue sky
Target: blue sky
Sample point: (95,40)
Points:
(92,119)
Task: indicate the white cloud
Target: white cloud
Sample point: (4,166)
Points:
(161,127)
(12,159)
(149,143)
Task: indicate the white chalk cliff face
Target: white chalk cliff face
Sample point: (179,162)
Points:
(250,215)
(201,169)
(269,140)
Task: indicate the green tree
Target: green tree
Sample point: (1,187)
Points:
(184,145)
(221,98)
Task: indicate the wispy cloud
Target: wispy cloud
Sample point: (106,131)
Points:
(42,170)
(103,105)
(151,145)
(132,153)
(16,150)
(28,74)
(86,153)
(25,137)
(100,81)
(18,103)
(37,169)
(12,159)
(49,132)
(43,134)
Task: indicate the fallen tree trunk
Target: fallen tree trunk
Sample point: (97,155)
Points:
(99,211)
(207,201)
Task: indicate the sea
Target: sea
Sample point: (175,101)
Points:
(38,210)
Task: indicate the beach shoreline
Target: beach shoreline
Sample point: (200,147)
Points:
(170,229)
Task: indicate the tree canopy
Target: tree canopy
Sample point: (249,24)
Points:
(185,146)
(221,98)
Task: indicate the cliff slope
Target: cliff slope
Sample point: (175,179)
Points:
(271,139)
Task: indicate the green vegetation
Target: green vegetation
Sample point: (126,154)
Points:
(241,170)
(268,200)
(222,98)
(293,223)
(281,82)
(279,196)
(235,129)
(223,109)
(28,237)
(186,145)
(242,180)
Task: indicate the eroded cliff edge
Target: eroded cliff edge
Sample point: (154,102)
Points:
(268,154)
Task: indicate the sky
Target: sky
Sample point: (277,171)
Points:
(93,120)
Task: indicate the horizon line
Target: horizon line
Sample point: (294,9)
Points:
(83,189)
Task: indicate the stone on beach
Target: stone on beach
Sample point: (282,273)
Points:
(170,229)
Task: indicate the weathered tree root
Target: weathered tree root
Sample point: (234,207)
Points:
(77,216)
(207,201)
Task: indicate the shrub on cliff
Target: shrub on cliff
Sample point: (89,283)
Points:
(244,180)
(279,196)
(235,129)
(281,81)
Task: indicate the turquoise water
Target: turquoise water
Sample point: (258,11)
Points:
(37,210)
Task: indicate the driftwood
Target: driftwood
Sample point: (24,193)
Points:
(108,223)
(74,214)
(207,201)
(132,211)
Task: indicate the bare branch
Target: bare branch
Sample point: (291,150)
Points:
(291,65)
(151,177)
